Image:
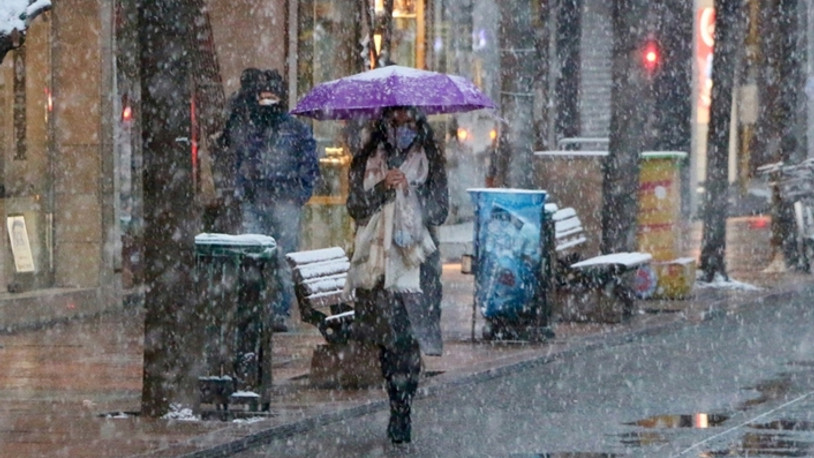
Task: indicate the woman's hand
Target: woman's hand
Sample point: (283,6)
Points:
(395,179)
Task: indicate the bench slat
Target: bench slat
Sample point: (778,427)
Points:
(325,284)
(560,232)
(564,213)
(626,260)
(566,244)
(312,256)
(321,269)
(341,316)
(323,300)
(568,230)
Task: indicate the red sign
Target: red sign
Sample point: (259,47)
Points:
(705,40)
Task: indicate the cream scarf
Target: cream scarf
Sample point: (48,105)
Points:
(375,254)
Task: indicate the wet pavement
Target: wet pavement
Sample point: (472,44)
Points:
(72,389)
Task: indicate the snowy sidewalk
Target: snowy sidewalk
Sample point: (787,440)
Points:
(73,389)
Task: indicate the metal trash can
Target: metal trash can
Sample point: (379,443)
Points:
(509,267)
(235,275)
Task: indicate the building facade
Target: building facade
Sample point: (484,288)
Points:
(70,149)
(70,134)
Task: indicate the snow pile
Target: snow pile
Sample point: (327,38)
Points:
(249,420)
(178,412)
(14,12)
(720,282)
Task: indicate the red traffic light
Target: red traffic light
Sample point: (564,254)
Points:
(127,109)
(651,56)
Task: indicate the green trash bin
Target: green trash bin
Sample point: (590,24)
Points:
(235,275)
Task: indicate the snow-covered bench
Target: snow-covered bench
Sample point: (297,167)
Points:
(319,284)
(609,275)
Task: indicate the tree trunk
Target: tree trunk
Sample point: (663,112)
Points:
(782,83)
(728,19)
(620,184)
(673,92)
(567,58)
(517,69)
(544,132)
(169,218)
(385,56)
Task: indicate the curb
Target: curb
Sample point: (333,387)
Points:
(718,309)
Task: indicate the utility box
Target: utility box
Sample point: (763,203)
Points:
(660,224)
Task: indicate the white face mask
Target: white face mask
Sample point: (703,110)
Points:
(266,102)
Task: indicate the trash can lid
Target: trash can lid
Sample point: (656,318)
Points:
(663,155)
(506,191)
(252,245)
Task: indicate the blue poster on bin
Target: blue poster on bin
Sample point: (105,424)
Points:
(508,249)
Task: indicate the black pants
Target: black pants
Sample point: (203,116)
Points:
(401,362)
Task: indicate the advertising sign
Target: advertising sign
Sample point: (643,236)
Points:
(20,248)
(704,41)
(508,250)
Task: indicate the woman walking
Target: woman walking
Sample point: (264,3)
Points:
(398,194)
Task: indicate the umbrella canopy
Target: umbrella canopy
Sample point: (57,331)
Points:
(365,94)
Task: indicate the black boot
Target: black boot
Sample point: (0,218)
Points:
(401,367)
(399,428)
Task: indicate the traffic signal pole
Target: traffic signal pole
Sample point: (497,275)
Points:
(627,133)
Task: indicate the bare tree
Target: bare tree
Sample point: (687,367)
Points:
(627,136)
(517,71)
(544,132)
(782,81)
(169,216)
(728,29)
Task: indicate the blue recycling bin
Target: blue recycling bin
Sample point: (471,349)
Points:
(509,248)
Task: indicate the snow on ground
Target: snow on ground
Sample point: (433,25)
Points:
(248,420)
(721,282)
(178,412)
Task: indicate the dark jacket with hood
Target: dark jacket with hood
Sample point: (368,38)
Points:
(274,153)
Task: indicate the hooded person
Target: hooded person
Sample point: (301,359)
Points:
(276,171)
(239,103)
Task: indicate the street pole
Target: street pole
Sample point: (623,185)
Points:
(620,184)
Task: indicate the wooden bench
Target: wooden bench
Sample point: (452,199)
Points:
(599,288)
(319,285)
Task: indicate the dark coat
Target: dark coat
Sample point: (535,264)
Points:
(274,159)
(377,310)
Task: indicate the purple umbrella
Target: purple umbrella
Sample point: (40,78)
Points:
(365,94)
